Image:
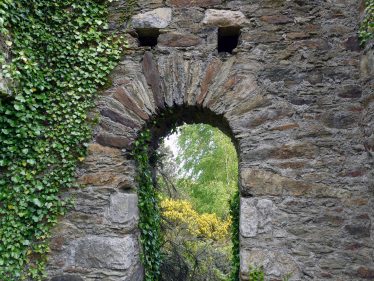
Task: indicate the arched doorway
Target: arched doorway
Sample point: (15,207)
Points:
(197,206)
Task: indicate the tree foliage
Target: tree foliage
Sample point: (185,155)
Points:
(208,170)
(201,219)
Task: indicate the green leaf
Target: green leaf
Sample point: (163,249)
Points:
(37,202)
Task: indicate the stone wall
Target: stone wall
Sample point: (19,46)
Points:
(298,100)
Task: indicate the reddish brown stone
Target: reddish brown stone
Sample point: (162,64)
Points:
(352,44)
(57,243)
(304,150)
(285,127)
(320,44)
(353,246)
(152,75)
(125,99)
(357,202)
(355,173)
(211,71)
(326,275)
(227,86)
(194,3)
(178,40)
(97,149)
(297,35)
(276,19)
(113,141)
(292,165)
(365,272)
(119,118)
(99,179)
(363,217)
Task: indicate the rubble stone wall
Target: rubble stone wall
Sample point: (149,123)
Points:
(297,97)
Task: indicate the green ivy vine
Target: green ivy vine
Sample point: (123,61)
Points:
(235,215)
(150,217)
(60,54)
(366,31)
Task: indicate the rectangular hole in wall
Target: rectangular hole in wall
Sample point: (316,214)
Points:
(228,39)
(148,37)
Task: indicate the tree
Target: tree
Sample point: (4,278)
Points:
(208,167)
(196,187)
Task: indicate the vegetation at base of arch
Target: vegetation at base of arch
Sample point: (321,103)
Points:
(60,54)
(366,32)
(235,236)
(149,219)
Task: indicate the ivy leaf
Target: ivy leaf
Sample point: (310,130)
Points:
(37,202)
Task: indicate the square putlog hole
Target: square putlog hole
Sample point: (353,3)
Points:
(228,39)
(148,37)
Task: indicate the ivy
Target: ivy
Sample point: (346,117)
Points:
(60,54)
(235,217)
(366,31)
(150,218)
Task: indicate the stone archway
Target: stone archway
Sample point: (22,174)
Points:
(306,208)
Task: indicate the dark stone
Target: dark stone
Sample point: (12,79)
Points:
(358,231)
(152,75)
(117,117)
(277,73)
(113,141)
(67,278)
(276,19)
(351,91)
(352,44)
(300,101)
(339,120)
(178,40)
(198,3)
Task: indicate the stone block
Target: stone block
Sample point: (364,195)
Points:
(123,208)
(277,19)
(105,252)
(255,216)
(113,141)
(118,118)
(350,91)
(153,78)
(276,264)
(158,18)
(195,3)
(67,278)
(127,101)
(340,119)
(224,18)
(175,39)
(260,182)
(365,272)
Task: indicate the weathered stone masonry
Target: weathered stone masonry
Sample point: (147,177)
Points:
(297,96)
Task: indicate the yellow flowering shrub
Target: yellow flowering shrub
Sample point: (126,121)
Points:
(182,214)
